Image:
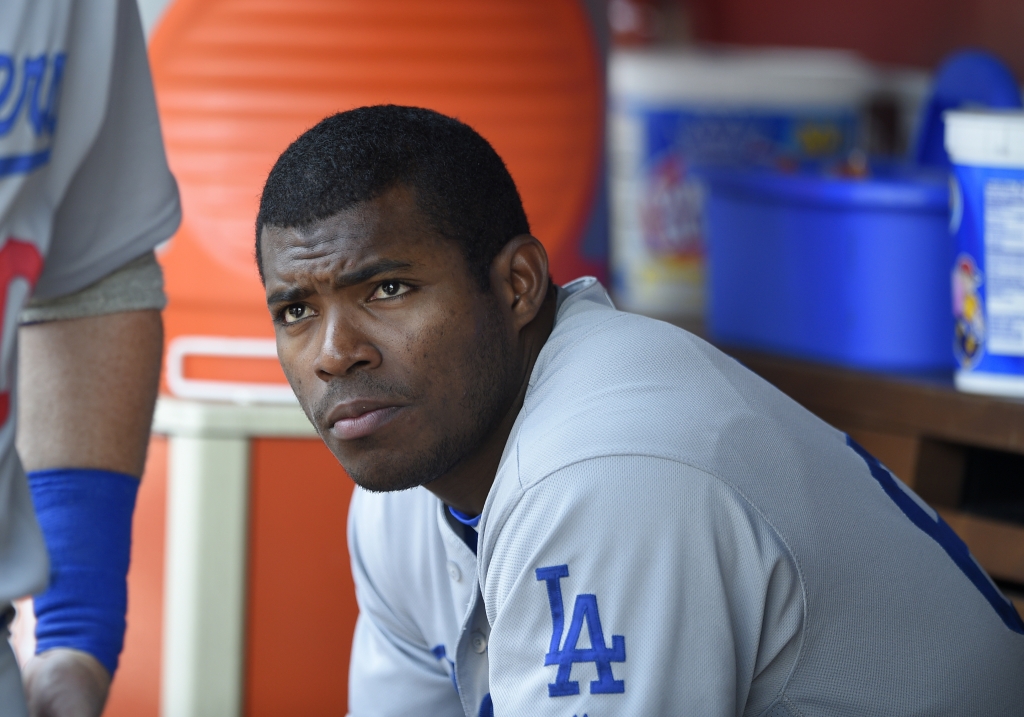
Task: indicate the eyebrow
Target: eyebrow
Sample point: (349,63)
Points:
(295,293)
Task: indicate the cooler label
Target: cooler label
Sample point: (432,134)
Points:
(1004,265)
(658,202)
(968,314)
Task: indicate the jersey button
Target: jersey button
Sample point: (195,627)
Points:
(453,571)
(478,641)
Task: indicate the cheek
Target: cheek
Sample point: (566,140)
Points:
(296,363)
(294,377)
(450,352)
(431,354)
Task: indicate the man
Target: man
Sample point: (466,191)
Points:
(85,196)
(568,510)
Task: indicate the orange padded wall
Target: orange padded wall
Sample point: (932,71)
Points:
(238,80)
(302,603)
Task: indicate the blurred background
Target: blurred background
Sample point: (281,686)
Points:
(773,176)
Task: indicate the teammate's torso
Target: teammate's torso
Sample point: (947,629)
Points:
(55,58)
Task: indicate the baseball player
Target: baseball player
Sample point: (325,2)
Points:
(564,509)
(85,196)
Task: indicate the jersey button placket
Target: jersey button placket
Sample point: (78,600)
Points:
(454,572)
(471,656)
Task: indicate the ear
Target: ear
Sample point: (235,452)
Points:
(519,278)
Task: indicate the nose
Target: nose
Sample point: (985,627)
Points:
(344,348)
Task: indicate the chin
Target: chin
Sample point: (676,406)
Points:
(384,470)
(380,474)
(382,481)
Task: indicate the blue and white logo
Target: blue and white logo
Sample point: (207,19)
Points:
(568,653)
(29,94)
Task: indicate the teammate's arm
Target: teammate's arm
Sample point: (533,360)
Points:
(88,369)
(87,388)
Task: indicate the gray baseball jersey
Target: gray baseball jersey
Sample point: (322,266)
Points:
(668,534)
(84,189)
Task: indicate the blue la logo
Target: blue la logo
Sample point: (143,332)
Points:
(565,655)
(25,98)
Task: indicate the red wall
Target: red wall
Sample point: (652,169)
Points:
(911,32)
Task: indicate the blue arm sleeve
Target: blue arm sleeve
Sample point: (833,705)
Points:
(86,519)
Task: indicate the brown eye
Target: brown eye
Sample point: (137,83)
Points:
(295,312)
(390,289)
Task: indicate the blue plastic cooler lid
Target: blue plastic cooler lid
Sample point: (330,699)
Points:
(900,187)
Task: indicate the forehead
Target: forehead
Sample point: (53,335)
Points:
(389,226)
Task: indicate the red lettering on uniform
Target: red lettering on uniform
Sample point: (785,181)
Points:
(18,259)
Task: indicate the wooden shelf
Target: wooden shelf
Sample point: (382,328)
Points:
(916,405)
(997,545)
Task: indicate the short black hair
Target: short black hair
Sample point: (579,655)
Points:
(460,182)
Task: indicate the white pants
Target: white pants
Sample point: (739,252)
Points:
(12,698)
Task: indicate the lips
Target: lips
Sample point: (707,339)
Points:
(358,419)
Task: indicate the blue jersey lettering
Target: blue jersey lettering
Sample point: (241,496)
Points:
(565,655)
(22,97)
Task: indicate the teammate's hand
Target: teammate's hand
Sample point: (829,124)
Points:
(65,683)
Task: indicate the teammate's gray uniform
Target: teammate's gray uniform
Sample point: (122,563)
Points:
(667,534)
(84,189)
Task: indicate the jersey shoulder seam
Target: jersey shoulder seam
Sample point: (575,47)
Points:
(729,486)
(615,315)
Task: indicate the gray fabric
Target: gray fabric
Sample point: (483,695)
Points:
(122,200)
(12,697)
(136,286)
(97,195)
(743,555)
(782,708)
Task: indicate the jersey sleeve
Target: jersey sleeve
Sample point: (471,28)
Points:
(640,586)
(122,200)
(393,672)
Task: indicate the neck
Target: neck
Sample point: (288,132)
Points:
(465,487)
